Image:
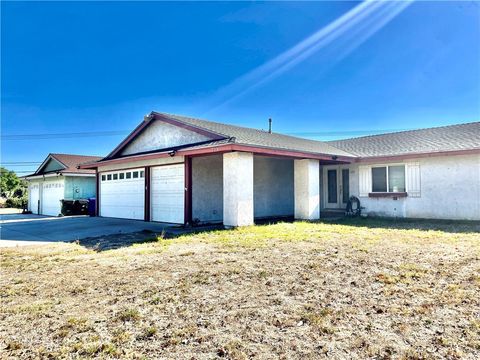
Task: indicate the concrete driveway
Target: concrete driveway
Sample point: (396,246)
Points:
(19,229)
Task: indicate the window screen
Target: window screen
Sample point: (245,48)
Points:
(121,176)
(109,177)
(135,174)
(396,178)
(379,179)
(142,174)
(103,177)
(115,176)
(128,175)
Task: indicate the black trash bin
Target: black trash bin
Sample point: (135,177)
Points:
(74,207)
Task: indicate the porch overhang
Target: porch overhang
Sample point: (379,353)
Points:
(220,149)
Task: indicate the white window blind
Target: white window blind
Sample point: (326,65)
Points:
(413,179)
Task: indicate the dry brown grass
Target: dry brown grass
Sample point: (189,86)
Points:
(286,290)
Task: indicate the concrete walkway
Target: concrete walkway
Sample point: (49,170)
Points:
(20,229)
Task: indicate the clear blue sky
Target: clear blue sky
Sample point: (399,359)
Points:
(100,66)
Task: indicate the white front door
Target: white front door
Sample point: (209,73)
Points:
(167,192)
(33,197)
(336,184)
(52,193)
(122,194)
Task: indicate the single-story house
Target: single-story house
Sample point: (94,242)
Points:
(59,178)
(177,169)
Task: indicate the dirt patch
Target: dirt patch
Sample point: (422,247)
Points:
(116,241)
(279,291)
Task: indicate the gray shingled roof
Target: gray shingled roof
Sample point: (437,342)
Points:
(260,138)
(445,138)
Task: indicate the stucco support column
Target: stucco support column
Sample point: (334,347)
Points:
(307,189)
(237,189)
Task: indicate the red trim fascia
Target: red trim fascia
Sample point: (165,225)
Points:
(417,155)
(147,193)
(187,218)
(169,120)
(263,151)
(290,153)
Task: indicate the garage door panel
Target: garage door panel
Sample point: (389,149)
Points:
(33,197)
(52,193)
(168,193)
(122,198)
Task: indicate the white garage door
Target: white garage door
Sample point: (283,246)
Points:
(167,193)
(33,197)
(122,194)
(52,192)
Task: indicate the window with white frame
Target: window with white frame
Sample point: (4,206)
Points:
(389,178)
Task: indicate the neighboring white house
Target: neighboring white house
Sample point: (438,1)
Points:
(177,169)
(58,178)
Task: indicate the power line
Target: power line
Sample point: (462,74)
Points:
(45,136)
(21,162)
(63,135)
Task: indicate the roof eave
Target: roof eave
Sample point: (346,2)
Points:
(407,156)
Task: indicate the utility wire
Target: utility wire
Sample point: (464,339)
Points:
(124,132)
(20,162)
(63,135)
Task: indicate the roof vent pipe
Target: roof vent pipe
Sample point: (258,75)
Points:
(270,125)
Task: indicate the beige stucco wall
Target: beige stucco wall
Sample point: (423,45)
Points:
(272,187)
(449,185)
(207,188)
(161,135)
(238,189)
(307,189)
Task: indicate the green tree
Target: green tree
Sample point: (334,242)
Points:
(12,188)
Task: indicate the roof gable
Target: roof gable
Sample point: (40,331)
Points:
(158,132)
(162,135)
(65,163)
(51,165)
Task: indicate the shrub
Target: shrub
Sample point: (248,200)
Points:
(15,203)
